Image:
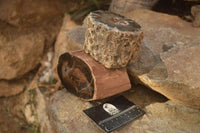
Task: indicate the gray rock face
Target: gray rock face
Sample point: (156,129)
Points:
(168,60)
(66,116)
(124,6)
(112,39)
(164,31)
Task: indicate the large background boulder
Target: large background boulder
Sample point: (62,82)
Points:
(168,58)
(163,31)
(20,55)
(29,12)
(124,6)
(22,49)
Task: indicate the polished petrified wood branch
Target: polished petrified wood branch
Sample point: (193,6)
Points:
(89,79)
(112,39)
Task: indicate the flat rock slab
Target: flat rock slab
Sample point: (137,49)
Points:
(168,60)
(66,116)
(174,74)
(111,39)
(89,79)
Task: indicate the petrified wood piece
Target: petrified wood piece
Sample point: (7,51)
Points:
(89,79)
(112,39)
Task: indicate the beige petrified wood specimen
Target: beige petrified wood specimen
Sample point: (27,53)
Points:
(89,79)
(112,39)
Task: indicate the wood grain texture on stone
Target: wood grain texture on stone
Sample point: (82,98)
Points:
(89,79)
(112,39)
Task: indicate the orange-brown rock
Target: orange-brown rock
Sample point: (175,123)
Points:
(10,88)
(125,6)
(89,79)
(19,56)
(168,61)
(22,48)
(31,12)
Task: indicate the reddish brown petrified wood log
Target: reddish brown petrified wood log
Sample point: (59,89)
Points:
(89,79)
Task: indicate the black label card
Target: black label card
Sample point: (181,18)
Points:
(114,114)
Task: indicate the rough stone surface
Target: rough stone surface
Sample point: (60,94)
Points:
(9,88)
(42,104)
(168,60)
(11,117)
(65,112)
(166,117)
(124,6)
(163,31)
(29,12)
(35,103)
(22,48)
(112,39)
(20,55)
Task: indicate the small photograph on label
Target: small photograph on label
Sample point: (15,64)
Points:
(114,113)
(110,109)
